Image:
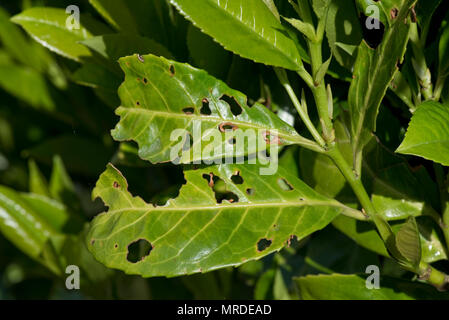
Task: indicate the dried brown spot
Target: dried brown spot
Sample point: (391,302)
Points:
(413,14)
(394,13)
(284,184)
(116,185)
(172,70)
(271,138)
(227,126)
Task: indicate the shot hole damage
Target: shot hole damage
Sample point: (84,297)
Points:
(172,70)
(263,244)
(237,178)
(188,110)
(250,191)
(227,126)
(205,108)
(236,109)
(218,186)
(138,250)
(116,185)
(284,184)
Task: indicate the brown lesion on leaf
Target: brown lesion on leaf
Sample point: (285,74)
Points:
(394,13)
(271,138)
(172,70)
(218,186)
(284,184)
(210,177)
(116,185)
(227,126)
(92,242)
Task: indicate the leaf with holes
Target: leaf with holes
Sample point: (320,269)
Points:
(428,133)
(224,215)
(166,105)
(373,71)
(246,27)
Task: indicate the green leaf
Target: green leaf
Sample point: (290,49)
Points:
(37,182)
(408,243)
(48,27)
(28,85)
(305,28)
(14,41)
(261,36)
(24,227)
(428,133)
(373,71)
(353,287)
(159,96)
(367,236)
(61,185)
(342,30)
(396,191)
(117,13)
(195,233)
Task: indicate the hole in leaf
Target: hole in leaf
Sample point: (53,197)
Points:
(205,109)
(284,184)
(172,70)
(116,185)
(116,246)
(232,141)
(250,191)
(138,250)
(236,109)
(263,244)
(188,110)
(138,103)
(292,240)
(237,178)
(145,80)
(141,59)
(218,186)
